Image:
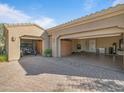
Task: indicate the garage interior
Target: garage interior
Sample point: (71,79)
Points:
(108,50)
(31,46)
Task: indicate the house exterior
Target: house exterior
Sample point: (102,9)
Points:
(98,32)
(18,34)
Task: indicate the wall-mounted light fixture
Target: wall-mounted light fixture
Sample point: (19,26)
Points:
(13,38)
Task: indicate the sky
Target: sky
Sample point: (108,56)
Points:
(49,13)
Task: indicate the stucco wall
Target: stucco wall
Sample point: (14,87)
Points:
(104,23)
(15,32)
(100,24)
(107,42)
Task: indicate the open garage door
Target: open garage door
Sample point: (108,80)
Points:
(107,48)
(31,47)
(102,45)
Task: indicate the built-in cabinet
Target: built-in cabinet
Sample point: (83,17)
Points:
(84,45)
(105,45)
(92,45)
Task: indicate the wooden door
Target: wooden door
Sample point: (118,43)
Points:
(66,47)
(39,47)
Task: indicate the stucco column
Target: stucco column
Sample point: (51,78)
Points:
(59,47)
(45,42)
(123,47)
(13,48)
(55,46)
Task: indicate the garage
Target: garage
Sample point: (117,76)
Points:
(31,47)
(96,36)
(104,51)
(25,39)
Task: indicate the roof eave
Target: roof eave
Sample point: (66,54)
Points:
(89,17)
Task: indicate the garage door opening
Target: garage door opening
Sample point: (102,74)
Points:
(31,47)
(103,51)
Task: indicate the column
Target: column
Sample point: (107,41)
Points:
(123,48)
(54,46)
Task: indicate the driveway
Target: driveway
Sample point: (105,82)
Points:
(36,73)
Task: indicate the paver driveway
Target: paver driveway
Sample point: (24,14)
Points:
(55,74)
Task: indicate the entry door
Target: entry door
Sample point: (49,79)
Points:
(92,45)
(66,47)
(39,46)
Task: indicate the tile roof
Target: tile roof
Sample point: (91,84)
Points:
(19,24)
(22,24)
(88,16)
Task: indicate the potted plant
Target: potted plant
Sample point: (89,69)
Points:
(48,52)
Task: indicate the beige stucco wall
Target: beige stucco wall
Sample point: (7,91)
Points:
(16,32)
(99,24)
(6,41)
(104,42)
(108,41)
(107,18)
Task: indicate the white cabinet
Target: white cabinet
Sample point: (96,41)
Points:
(92,45)
(120,53)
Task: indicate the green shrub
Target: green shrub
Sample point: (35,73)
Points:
(3,58)
(48,52)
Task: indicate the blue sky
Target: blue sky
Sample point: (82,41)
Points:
(48,13)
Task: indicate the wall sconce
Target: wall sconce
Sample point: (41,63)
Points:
(13,39)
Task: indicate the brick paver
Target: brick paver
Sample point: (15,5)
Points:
(58,74)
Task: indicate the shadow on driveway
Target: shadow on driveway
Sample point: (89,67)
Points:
(40,65)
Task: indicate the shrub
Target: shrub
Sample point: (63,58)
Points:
(3,58)
(48,52)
